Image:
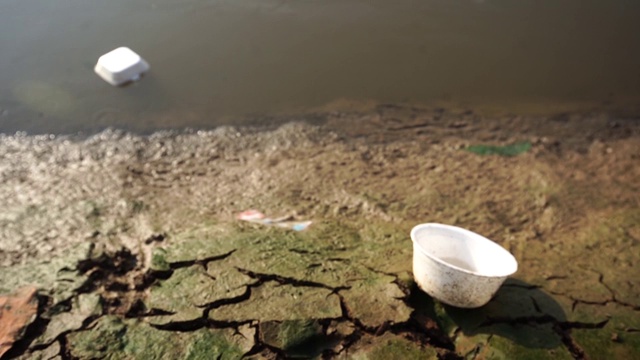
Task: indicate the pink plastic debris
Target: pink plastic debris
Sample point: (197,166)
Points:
(251,215)
(286,222)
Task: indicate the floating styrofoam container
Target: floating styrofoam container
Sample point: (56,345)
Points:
(120,66)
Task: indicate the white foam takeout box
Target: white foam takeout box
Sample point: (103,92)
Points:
(121,66)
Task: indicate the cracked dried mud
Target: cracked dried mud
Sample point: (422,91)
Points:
(133,244)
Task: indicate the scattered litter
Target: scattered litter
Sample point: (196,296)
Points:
(121,66)
(251,215)
(286,222)
(17,311)
(507,150)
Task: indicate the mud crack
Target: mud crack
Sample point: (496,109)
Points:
(418,328)
(203,262)
(284,280)
(611,300)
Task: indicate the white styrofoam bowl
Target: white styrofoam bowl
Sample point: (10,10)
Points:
(120,66)
(457,266)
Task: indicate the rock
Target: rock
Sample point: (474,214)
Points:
(83,307)
(17,311)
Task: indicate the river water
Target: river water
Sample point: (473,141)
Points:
(229,61)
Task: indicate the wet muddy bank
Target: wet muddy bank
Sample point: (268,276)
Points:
(111,227)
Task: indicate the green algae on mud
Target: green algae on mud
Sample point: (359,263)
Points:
(286,270)
(297,338)
(400,349)
(284,280)
(376,301)
(388,346)
(58,277)
(281,302)
(113,338)
(349,247)
(618,339)
(506,150)
(159,260)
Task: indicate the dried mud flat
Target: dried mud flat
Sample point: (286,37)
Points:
(135,249)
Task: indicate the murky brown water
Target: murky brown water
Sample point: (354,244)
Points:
(217,61)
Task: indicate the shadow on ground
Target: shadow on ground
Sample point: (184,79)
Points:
(520,312)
